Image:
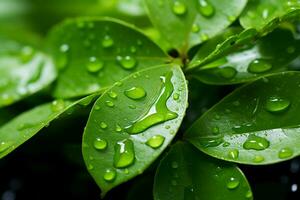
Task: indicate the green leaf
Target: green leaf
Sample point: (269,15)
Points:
(24,70)
(256,124)
(186,173)
(187,23)
(260,13)
(23,127)
(95,53)
(248,62)
(132,123)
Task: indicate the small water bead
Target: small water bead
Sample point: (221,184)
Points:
(227,72)
(133,49)
(176,96)
(206,9)
(174,182)
(233,183)
(64,48)
(276,104)
(204,37)
(135,93)
(109,175)
(27,54)
(226,144)
(90,167)
(110,104)
(62,60)
(231,18)
(179,8)
(94,65)
(233,154)
(259,66)
(124,154)
(155,141)
(118,128)
(127,62)
(57,105)
(132,106)
(249,194)
(195,28)
(103,125)
(285,153)
(118,83)
(174,165)
(215,130)
(265,13)
(4,146)
(107,41)
(256,143)
(112,94)
(291,49)
(97,107)
(258,159)
(100,144)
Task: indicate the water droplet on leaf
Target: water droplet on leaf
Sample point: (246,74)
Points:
(227,72)
(285,153)
(206,9)
(155,141)
(233,183)
(135,93)
(100,144)
(233,154)
(277,104)
(259,66)
(127,62)
(256,143)
(109,175)
(107,41)
(124,153)
(179,8)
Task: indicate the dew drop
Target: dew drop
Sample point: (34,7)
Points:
(103,125)
(174,165)
(176,96)
(127,62)
(227,72)
(57,105)
(110,104)
(258,159)
(256,143)
(124,154)
(62,60)
(179,8)
(135,93)
(259,66)
(27,54)
(215,130)
(206,9)
(90,167)
(94,65)
(112,94)
(107,41)
(118,128)
(248,194)
(100,144)
(4,146)
(195,28)
(155,141)
(109,175)
(233,183)
(226,144)
(276,104)
(285,153)
(233,154)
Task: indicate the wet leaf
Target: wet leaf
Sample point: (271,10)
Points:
(186,173)
(132,123)
(256,124)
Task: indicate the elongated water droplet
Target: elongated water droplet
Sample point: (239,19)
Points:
(227,72)
(94,65)
(57,105)
(277,104)
(285,153)
(233,154)
(155,141)
(233,183)
(179,8)
(259,66)
(103,125)
(206,9)
(124,153)
(258,159)
(127,62)
(256,143)
(4,146)
(100,144)
(110,104)
(158,112)
(107,41)
(135,93)
(109,175)
(62,60)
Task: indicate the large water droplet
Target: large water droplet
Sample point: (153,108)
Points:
(124,153)
(109,175)
(127,62)
(107,41)
(277,104)
(233,154)
(94,65)
(227,72)
(259,66)
(233,183)
(155,141)
(135,93)
(256,143)
(179,8)
(285,153)
(206,9)
(158,112)
(100,144)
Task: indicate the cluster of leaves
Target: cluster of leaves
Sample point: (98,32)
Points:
(139,93)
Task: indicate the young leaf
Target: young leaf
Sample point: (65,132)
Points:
(97,52)
(24,70)
(267,55)
(132,123)
(256,124)
(260,13)
(190,22)
(186,173)
(26,125)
